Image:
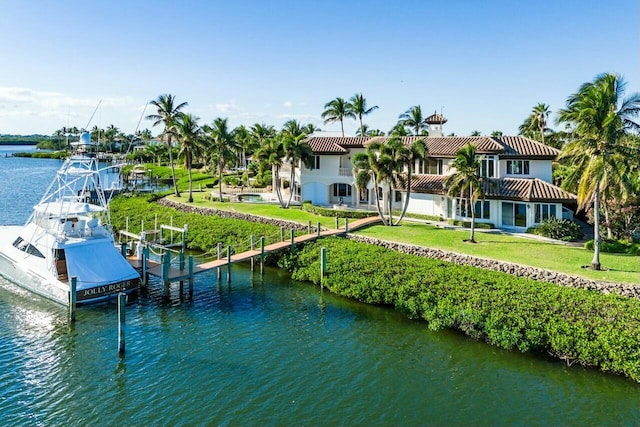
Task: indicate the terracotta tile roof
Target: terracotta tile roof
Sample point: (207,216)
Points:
(335,144)
(435,119)
(447,146)
(523,189)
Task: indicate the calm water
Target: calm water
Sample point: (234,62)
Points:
(267,351)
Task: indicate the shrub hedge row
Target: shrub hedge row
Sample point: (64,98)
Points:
(589,328)
(317,210)
(615,246)
(461,223)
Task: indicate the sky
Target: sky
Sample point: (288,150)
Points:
(483,64)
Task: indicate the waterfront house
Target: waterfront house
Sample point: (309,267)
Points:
(521,168)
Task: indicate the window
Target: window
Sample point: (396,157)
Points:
(341,190)
(315,164)
(544,211)
(434,166)
(514,214)
(517,167)
(487,166)
(398,196)
(482,208)
(420,166)
(24,246)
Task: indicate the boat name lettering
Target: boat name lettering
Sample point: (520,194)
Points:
(106,289)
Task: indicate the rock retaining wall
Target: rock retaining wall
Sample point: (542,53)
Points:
(628,290)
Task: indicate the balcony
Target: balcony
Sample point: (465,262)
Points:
(345,171)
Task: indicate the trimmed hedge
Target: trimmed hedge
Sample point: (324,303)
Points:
(467,224)
(559,229)
(589,328)
(317,210)
(615,246)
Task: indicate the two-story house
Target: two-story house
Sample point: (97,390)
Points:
(521,169)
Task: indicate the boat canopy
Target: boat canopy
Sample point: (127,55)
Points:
(68,208)
(100,265)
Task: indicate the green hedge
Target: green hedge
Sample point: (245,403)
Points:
(204,231)
(589,328)
(460,223)
(559,229)
(615,246)
(317,210)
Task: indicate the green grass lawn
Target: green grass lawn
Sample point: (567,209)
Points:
(567,259)
(521,250)
(293,213)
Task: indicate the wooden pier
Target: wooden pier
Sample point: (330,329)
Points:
(186,269)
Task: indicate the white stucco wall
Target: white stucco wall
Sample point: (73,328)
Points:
(427,204)
(540,169)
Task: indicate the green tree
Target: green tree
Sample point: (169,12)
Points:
(296,150)
(188,134)
(466,183)
(413,119)
(496,133)
(271,153)
(167,114)
(408,157)
(601,117)
(475,133)
(535,125)
(360,108)
(336,111)
(220,146)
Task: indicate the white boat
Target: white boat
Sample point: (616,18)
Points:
(67,236)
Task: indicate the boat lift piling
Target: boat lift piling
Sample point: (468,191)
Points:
(72,299)
(122,303)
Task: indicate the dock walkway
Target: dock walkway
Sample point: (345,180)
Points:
(172,274)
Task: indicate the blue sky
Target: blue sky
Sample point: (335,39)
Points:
(484,64)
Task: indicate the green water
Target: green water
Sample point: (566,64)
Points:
(269,351)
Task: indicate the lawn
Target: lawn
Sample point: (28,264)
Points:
(566,259)
(520,250)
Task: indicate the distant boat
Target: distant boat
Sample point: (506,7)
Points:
(68,235)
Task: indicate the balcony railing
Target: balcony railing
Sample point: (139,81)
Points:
(345,171)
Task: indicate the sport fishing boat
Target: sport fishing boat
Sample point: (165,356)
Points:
(68,236)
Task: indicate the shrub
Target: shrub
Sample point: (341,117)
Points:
(461,223)
(340,213)
(559,229)
(615,246)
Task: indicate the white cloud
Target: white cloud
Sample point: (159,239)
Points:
(287,104)
(227,108)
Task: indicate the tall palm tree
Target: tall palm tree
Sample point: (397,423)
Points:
(383,163)
(167,113)
(244,144)
(466,182)
(496,133)
(535,125)
(416,151)
(220,145)
(475,133)
(336,111)
(601,117)
(271,153)
(187,131)
(296,150)
(359,108)
(413,119)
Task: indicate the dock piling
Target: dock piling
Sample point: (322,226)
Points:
(323,265)
(262,255)
(228,264)
(337,222)
(293,240)
(346,225)
(282,234)
(122,303)
(319,230)
(190,275)
(219,256)
(309,227)
(253,247)
(72,299)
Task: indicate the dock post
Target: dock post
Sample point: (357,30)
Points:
(309,227)
(126,227)
(123,249)
(253,248)
(262,255)
(181,260)
(336,222)
(282,234)
(319,230)
(166,263)
(190,275)
(323,264)
(293,241)
(122,303)
(219,256)
(346,225)
(155,224)
(228,264)
(145,259)
(72,299)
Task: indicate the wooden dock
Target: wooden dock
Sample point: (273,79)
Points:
(170,274)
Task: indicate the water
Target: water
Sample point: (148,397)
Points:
(267,351)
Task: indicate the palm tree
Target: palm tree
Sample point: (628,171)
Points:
(221,147)
(244,144)
(496,133)
(383,164)
(271,153)
(413,119)
(296,150)
(416,151)
(336,111)
(475,133)
(167,113)
(467,182)
(535,125)
(601,118)
(186,130)
(359,109)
